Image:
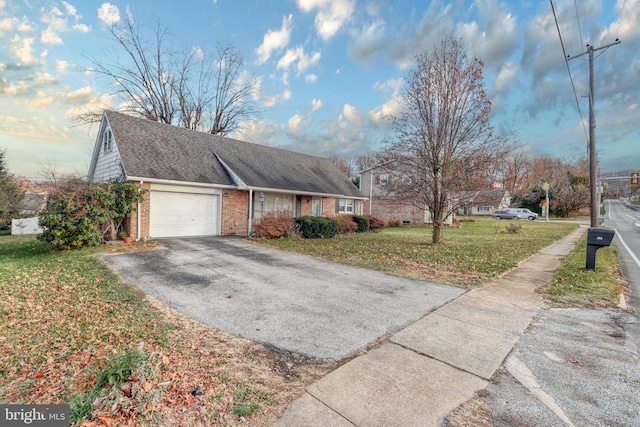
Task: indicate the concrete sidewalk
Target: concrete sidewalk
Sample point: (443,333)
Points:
(431,367)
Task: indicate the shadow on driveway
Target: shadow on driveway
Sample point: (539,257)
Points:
(292,302)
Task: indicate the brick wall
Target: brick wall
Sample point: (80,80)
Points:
(389,210)
(131,224)
(235,213)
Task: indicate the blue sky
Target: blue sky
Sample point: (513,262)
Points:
(329,70)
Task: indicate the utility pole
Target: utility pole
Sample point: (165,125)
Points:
(593,162)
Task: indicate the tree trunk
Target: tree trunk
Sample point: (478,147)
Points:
(437,228)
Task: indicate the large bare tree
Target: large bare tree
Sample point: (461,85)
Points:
(443,137)
(191,89)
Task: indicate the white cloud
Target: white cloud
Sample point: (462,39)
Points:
(42,101)
(275,40)
(83,28)
(62,66)
(352,114)
(261,132)
(108,14)
(627,26)
(311,78)
(80,96)
(316,104)
(298,55)
(42,79)
(294,122)
(22,48)
(286,94)
(506,77)
(50,37)
(332,15)
(390,88)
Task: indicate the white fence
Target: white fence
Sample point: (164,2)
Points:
(25,226)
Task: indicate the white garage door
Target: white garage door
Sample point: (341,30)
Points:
(177,214)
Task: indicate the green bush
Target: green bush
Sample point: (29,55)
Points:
(363,222)
(317,227)
(82,214)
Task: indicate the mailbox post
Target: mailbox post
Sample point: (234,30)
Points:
(596,239)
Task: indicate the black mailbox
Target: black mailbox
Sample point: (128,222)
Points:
(596,239)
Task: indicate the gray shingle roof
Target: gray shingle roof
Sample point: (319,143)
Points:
(154,150)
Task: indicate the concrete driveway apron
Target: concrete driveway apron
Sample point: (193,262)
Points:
(292,302)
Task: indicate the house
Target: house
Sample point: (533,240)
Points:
(200,184)
(377,183)
(485,202)
(380,183)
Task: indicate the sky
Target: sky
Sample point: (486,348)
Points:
(330,71)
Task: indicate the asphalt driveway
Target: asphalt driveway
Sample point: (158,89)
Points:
(292,302)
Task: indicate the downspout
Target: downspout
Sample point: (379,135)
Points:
(250,212)
(370,189)
(139,214)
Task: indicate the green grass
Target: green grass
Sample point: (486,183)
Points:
(62,316)
(575,286)
(470,255)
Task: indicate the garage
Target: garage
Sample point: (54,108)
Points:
(183,211)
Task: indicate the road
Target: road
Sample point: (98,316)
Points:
(575,367)
(627,242)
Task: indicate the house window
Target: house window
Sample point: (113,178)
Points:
(107,141)
(382,179)
(316,206)
(484,208)
(345,206)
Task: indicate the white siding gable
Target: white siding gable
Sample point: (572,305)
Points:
(108,163)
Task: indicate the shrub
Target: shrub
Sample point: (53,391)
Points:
(274,225)
(345,224)
(393,223)
(363,222)
(375,223)
(316,227)
(82,214)
(513,229)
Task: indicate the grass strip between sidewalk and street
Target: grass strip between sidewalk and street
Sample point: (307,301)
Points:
(574,286)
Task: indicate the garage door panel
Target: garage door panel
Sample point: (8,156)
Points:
(174,214)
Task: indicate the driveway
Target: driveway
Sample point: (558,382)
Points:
(292,302)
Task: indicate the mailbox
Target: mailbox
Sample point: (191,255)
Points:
(596,239)
(600,236)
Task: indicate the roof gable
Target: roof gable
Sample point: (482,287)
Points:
(154,150)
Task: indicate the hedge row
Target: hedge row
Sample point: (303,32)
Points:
(316,227)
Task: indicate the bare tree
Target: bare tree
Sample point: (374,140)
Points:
(191,89)
(443,135)
(514,169)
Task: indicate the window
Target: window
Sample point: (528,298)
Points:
(345,206)
(382,179)
(107,141)
(316,206)
(484,208)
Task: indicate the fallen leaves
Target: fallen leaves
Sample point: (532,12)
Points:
(65,315)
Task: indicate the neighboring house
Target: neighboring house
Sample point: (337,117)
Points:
(33,203)
(377,184)
(206,185)
(485,202)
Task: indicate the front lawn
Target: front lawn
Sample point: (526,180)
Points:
(72,332)
(469,255)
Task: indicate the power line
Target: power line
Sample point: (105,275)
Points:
(566,61)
